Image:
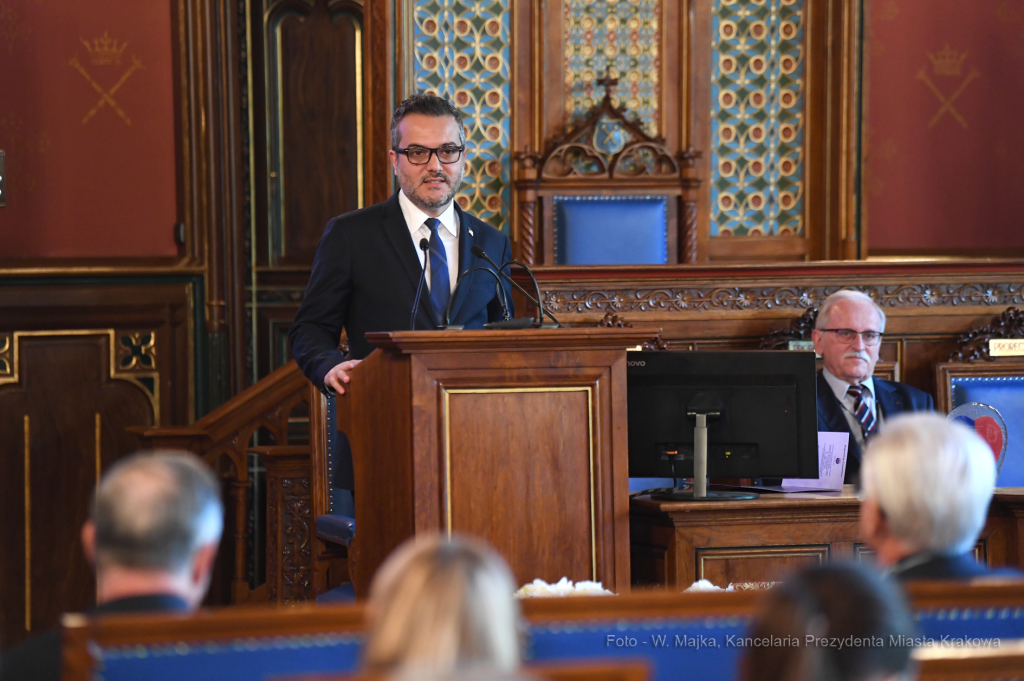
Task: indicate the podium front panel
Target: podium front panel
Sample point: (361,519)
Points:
(508,479)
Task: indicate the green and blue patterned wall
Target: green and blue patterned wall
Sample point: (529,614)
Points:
(462,52)
(757,118)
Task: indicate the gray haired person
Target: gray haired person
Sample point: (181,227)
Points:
(152,537)
(927,485)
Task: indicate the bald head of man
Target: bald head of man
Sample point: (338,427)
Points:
(154,528)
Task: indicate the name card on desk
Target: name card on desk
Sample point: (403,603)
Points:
(832,451)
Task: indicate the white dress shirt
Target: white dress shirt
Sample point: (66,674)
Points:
(840,389)
(448,231)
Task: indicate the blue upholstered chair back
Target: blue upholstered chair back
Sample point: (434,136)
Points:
(677,647)
(339,500)
(610,230)
(249,659)
(959,623)
(338,524)
(1006,395)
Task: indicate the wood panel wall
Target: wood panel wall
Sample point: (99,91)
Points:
(77,367)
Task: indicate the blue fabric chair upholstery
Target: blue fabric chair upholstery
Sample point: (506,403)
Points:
(961,623)
(339,525)
(1006,395)
(233,660)
(675,648)
(610,230)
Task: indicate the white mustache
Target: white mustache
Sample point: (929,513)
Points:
(857,354)
(435,177)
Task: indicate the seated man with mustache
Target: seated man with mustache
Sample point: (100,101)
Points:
(848,335)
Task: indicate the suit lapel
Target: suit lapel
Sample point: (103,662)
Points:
(466,260)
(397,232)
(887,399)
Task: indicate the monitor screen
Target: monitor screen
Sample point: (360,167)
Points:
(767,423)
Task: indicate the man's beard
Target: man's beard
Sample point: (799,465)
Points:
(434,204)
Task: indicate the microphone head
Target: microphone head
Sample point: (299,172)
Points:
(477,251)
(424,245)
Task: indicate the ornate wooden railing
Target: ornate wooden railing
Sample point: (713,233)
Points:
(223,438)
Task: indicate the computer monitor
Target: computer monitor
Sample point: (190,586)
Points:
(763,422)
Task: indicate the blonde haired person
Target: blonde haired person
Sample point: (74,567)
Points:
(442,606)
(927,485)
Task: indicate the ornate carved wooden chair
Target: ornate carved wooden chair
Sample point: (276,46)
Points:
(607,193)
(974,374)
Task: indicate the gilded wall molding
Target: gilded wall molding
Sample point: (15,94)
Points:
(132,358)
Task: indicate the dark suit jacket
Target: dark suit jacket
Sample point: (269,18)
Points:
(364,279)
(961,567)
(39,658)
(891,398)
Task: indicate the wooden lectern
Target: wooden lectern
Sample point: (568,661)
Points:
(517,437)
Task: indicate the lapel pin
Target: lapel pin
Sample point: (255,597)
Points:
(471,232)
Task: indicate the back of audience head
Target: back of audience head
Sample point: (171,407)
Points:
(441,606)
(154,526)
(927,484)
(832,602)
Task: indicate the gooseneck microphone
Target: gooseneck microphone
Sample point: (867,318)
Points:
(424,246)
(462,278)
(539,321)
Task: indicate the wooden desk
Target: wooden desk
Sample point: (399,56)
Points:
(673,544)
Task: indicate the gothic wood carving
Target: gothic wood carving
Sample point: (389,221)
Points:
(688,299)
(799,329)
(974,345)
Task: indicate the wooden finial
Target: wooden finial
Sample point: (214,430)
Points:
(609,84)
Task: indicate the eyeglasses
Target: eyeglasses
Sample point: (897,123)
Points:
(420,156)
(847,336)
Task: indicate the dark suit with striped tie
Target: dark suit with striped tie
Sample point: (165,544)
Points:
(891,399)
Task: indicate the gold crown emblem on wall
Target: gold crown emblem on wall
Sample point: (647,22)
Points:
(947,62)
(104,51)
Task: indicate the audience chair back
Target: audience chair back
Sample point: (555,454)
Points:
(681,636)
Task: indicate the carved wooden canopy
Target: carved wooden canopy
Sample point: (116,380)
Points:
(607,145)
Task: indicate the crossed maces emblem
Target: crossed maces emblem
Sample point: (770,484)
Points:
(105,52)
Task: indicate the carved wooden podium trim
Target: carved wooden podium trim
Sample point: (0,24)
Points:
(445,392)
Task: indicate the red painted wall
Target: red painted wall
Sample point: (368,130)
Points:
(953,178)
(101,187)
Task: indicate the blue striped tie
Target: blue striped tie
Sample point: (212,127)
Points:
(440,288)
(862,411)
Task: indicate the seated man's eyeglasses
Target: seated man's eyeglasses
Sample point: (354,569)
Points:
(849,335)
(419,156)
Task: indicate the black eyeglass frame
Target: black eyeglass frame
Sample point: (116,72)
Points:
(867,343)
(432,152)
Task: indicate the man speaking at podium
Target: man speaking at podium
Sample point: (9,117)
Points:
(848,335)
(369,262)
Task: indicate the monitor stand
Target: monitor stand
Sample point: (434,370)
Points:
(700,473)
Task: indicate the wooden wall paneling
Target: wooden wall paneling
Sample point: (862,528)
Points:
(378,98)
(314,116)
(83,359)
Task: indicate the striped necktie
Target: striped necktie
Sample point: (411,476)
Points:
(862,410)
(440,287)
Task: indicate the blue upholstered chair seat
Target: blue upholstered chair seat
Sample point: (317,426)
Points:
(610,230)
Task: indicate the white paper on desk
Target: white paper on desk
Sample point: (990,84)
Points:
(832,451)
